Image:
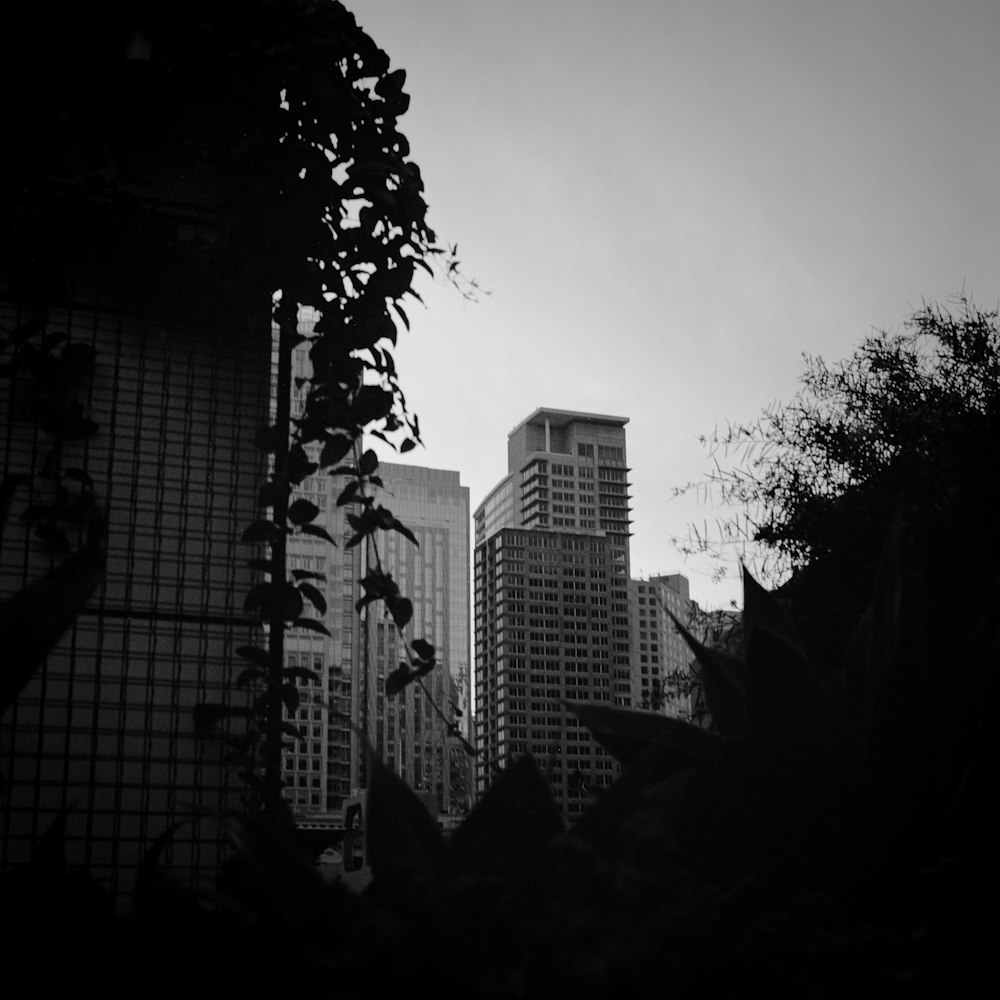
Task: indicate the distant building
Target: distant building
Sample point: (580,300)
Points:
(551,600)
(346,706)
(435,576)
(660,657)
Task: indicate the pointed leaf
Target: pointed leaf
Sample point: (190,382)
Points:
(761,610)
(405,532)
(510,830)
(723,679)
(315,597)
(642,807)
(627,733)
(311,625)
(317,532)
(402,314)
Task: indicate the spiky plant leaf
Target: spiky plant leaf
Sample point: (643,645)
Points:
(723,679)
(627,733)
(643,804)
(403,841)
(508,833)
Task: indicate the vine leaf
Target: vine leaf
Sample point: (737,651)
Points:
(301,512)
(317,532)
(314,596)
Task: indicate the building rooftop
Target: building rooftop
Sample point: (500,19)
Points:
(561,418)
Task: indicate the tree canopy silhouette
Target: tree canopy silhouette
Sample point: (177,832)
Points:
(907,426)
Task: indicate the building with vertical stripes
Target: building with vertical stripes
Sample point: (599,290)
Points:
(346,710)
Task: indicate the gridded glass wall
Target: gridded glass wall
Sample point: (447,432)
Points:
(105,728)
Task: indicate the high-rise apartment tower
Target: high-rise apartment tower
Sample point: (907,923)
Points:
(551,599)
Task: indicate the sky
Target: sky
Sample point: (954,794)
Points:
(668,203)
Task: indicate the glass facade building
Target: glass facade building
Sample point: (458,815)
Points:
(345,710)
(346,706)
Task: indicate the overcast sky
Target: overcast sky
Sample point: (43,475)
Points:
(670,202)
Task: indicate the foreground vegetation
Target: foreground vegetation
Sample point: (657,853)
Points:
(830,833)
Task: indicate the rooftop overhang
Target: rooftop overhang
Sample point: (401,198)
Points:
(562,418)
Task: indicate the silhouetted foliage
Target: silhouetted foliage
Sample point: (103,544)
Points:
(906,426)
(829,833)
(832,838)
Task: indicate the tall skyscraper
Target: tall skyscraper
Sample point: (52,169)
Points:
(346,709)
(551,599)
(435,576)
